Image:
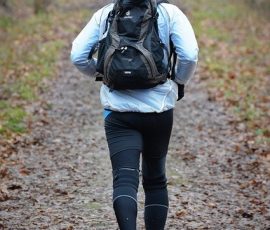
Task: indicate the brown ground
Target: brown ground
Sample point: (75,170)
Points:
(59,176)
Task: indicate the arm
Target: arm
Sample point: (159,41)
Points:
(186,46)
(84,44)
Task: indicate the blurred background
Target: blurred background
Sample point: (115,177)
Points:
(234,63)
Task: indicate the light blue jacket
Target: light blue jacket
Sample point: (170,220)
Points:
(171,21)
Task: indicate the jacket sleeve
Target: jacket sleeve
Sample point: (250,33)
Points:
(83,44)
(185,43)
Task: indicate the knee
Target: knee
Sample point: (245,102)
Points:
(156,183)
(126,177)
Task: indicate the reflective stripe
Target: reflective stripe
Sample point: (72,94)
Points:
(160,205)
(129,169)
(124,196)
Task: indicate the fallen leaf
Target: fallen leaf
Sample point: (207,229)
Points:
(179,214)
(24,171)
(61,191)
(4,194)
(212,205)
(4,172)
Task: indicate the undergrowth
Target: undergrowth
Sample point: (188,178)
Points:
(234,59)
(234,55)
(29,50)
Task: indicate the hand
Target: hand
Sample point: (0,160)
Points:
(181,91)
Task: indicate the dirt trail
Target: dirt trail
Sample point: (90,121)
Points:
(60,178)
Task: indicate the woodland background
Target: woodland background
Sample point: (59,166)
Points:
(54,169)
(234,56)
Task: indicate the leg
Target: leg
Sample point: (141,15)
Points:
(156,195)
(125,146)
(156,141)
(125,187)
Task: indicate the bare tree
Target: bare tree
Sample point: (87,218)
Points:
(4,4)
(5,7)
(41,6)
(261,5)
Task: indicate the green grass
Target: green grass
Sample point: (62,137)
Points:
(27,64)
(234,47)
(13,119)
(29,52)
(6,22)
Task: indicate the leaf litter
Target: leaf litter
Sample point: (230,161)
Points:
(59,175)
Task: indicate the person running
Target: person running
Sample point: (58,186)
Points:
(138,122)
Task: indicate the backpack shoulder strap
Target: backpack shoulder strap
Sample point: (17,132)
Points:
(162,1)
(173,54)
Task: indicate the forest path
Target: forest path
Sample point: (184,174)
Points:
(60,176)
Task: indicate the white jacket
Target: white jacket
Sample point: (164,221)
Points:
(171,22)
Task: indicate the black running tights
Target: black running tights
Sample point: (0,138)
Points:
(128,135)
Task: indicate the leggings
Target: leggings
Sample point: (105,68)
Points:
(130,134)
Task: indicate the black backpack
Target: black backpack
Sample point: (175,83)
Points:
(131,55)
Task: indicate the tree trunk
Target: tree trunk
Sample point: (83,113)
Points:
(4,3)
(41,6)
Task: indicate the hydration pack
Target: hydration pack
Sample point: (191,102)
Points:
(131,55)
